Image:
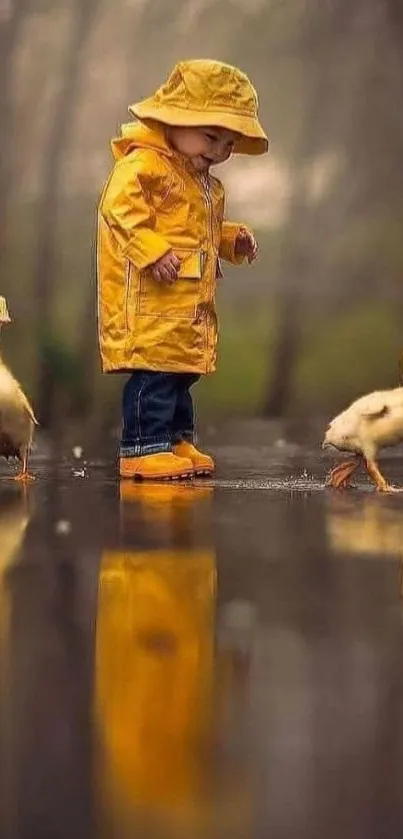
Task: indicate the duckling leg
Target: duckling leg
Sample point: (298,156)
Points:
(381,484)
(339,477)
(24,475)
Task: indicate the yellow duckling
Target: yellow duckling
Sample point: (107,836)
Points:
(372,422)
(17,419)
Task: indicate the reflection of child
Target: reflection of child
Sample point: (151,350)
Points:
(161,234)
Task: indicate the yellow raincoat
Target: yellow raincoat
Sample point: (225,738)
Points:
(155,201)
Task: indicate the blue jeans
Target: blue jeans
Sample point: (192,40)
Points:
(157,412)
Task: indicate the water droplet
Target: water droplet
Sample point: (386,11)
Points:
(63,527)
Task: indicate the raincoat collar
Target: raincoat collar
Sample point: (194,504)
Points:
(150,135)
(137,135)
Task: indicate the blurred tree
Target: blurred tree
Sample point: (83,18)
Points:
(12,16)
(329,76)
(321,30)
(45,261)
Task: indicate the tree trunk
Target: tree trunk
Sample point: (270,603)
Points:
(10,23)
(279,393)
(44,268)
(323,28)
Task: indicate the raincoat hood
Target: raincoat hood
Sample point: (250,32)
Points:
(204,92)
(135,135)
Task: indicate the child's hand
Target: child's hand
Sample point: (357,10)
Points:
(165,270)
(246,245)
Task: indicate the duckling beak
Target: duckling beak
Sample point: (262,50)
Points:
(326,446)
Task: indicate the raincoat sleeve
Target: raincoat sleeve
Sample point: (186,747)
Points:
(129,213)
(229,233)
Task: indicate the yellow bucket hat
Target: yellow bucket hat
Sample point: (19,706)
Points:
(201,92)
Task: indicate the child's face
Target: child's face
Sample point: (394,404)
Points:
(205,147)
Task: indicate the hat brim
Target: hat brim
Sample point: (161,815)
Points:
(252,139)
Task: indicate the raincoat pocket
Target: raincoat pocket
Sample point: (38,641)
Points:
(178,300)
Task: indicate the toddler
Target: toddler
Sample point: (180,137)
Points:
(161,235)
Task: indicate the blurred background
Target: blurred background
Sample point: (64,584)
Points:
(317,321)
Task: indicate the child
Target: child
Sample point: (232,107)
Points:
(161,235)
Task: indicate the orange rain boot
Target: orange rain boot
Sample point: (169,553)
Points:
(202,463)
(154,467)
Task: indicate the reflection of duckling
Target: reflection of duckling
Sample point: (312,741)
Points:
(17,419)
(366,527)
(14,518)
(369,424)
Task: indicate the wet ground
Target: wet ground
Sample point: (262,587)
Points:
(221,659)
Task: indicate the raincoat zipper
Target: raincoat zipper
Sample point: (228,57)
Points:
(209,204)
(204,178)
(127,292)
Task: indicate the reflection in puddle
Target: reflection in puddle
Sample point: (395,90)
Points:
(14,519)
(46,674)
(155,674)
(371,527)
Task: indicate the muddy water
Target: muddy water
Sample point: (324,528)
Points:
(221,659)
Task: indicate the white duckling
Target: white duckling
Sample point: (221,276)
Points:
(372,422)
(17,419)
